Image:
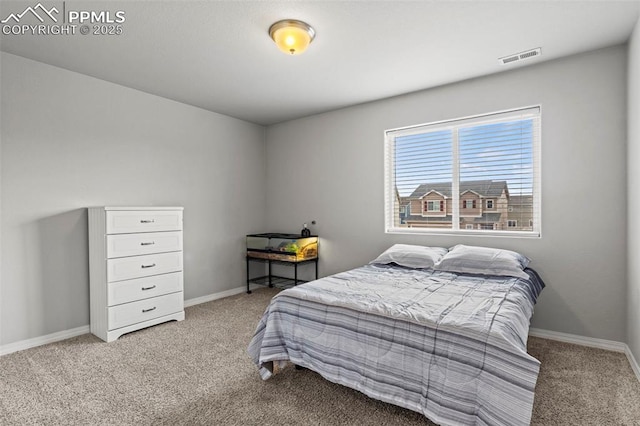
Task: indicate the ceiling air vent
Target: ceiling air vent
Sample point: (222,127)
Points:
(520,56)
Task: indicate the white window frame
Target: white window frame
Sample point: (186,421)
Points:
(489,206)
(515,223)
(435,203)
(495,117)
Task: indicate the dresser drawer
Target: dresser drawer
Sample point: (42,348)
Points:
(143,310)
(122,245)
(126,268)
(143,288)
(126,222)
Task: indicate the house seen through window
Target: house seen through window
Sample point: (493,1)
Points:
(474,175)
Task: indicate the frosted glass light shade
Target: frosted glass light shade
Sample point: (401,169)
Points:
(291,36)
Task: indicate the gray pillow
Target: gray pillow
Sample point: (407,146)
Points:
(411,256)
(484,261)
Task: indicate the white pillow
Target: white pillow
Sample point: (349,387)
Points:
(484,261)
(411,256)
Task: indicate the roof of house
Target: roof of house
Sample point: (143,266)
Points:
(418,218)
(525,200)
(486,188)
(488,217)
(485,218)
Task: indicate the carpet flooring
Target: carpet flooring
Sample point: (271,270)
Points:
(197,372)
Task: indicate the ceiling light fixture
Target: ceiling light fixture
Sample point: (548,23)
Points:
(291,36)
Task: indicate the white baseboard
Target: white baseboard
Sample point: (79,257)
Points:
(634,363)
(67,334)
(609,345)
(43,340)
(220,295)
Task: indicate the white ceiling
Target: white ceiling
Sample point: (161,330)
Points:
(217,55)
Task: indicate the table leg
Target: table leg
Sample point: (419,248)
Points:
(248,291)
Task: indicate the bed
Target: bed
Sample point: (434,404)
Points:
(441,332)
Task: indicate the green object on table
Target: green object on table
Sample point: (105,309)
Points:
(291,248)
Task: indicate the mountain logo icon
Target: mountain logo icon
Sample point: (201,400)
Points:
(39,11)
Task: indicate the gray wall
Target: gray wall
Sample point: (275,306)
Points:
(329,167)
(70,141)
(633,165)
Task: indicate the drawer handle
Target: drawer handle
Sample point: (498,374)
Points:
(148,310)
(148,288)
(148,244)
(147,221)
(148,266)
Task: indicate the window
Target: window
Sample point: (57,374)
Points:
(494,157)
(469,204)
(434,206)
(512,223)
(469,226)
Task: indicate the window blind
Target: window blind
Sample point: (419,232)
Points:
(483,171)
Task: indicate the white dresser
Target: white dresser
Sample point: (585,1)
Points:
(135,268)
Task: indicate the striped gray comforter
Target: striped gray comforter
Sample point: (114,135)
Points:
(450,346)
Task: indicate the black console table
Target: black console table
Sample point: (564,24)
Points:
(280,249)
